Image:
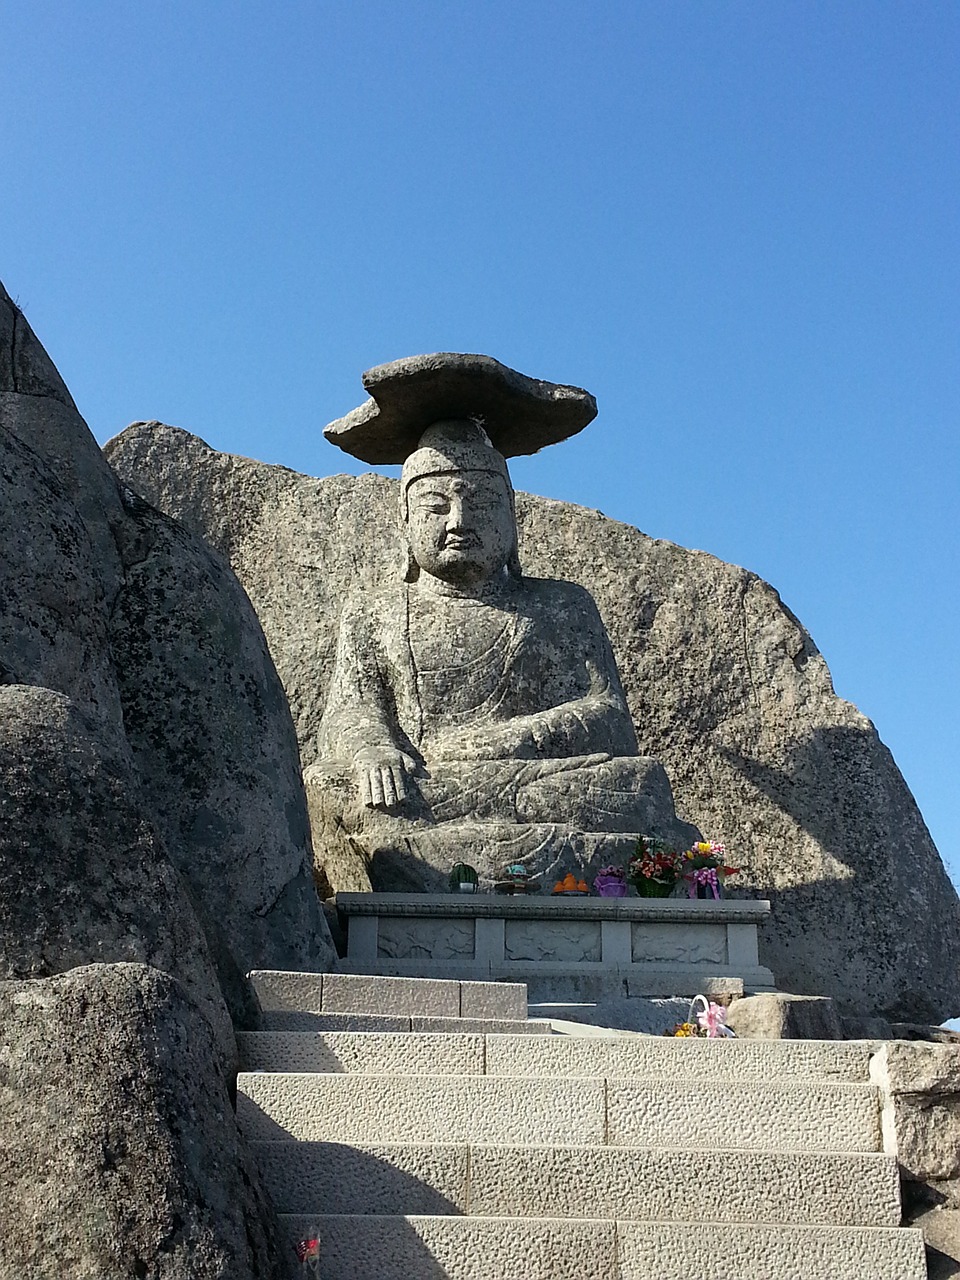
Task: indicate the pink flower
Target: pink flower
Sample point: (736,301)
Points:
(713,1020)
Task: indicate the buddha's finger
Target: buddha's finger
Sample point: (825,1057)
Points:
(399,784)
(366,795)
(376,788)
(389,786)
(409,766)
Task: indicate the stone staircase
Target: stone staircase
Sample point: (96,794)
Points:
(406,1124)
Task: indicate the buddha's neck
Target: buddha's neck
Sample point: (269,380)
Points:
(492,589)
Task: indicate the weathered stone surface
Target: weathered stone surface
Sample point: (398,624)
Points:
(37,407)
(149,633)
(470,707)
(119,1152)
(213,742)
(785,1017)
(53,615)
(83,876)
(941,1235)
(520,414)
(922,1068)
(922,1085)
(723,684)
(141,724)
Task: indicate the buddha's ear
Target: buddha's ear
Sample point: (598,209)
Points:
(513,559)
(409,569)
(513,564)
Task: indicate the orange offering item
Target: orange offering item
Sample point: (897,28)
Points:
(570,884)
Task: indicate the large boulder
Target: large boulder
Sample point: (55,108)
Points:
(119,1151)
(214,745)
(147,630)
(151,814)
(725,687)
(83,875)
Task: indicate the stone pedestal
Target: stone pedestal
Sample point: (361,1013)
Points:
(561,947)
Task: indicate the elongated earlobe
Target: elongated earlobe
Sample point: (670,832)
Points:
(409,567)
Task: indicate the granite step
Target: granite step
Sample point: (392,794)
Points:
(799,1188)
(701,1114)
(393,1247)
(387,1050)
(372,994)
(290,1020)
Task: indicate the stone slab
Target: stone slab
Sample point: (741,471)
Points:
(370,992)
(282,989)
(303,1177)
(461,1051)
(657,1251)
(705,1115)
(294,1020)
(362,1052)
(391,1109)
(576,1182)
(778,1016)
(428,1248)
(748,1186)
(564,980)
(546,907)
(425,1248)
(493,1000)
(673,1060)
(350,993)
(485,1026)
(287,1020)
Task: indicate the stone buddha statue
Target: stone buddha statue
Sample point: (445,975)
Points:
(475,714)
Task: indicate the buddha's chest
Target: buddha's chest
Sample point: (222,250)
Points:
(465,657)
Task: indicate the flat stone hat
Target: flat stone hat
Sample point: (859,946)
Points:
(519,414)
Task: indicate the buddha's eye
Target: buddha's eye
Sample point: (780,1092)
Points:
(434,504)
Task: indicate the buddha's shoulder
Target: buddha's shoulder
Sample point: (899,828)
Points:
(559,595)
(368,605)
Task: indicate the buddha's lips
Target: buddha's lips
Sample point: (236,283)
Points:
(461,542)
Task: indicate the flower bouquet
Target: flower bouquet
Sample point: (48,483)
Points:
(704,869)
(611,882)
(710,1024)
(654,869)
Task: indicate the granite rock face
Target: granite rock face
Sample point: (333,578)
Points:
(150,635)
(214,746)
(724,686)
(151,814)
(83,875)
(119,1151)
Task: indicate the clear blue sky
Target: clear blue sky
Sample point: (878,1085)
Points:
(737,224)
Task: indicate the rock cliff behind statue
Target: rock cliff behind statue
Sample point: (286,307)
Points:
(723,684)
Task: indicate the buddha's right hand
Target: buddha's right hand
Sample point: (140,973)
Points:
(384,776)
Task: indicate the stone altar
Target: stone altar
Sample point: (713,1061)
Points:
(474,713)
(560,947)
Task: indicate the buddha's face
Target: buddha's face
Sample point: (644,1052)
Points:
(460,526)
